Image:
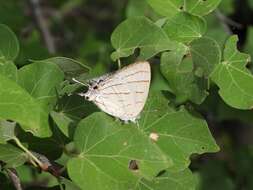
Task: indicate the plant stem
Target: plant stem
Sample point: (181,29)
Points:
(28,152)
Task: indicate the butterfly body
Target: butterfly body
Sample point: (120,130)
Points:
(122,94)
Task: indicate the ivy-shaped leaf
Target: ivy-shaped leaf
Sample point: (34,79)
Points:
(233,78)
(9,46)
(139,32)
(170,8)
(12,156)
(16,104)
(41,80)
(183,180)
(184,27)
(179,72)
(106,149)
(178,133)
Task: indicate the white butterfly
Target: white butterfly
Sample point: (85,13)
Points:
(121,94)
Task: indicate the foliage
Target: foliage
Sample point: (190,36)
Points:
(44,124)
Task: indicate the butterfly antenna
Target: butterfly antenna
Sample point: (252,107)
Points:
(79,82)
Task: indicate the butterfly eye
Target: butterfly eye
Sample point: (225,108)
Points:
(95,87)
(86,97)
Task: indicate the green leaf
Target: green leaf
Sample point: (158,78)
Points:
(178,70)
(69,185)
(132,34)
(140,8)
(183,180)
(9,46)
(180,133)
(206,54)
(75,107)
(184,27)
(107,147)
(8,69)
(233,78)
(11,155)
(41,80)
(170,8)
(62,121)
(16,104)
(201,7)
(70,67)
(6,131)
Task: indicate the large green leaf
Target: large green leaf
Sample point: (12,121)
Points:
(9,46)
(107,147)
(183,180)
(233,78)
(179,72)
(184,27)
(180,133)
(169,8)
(139,32)
(41,80)
(11,155)
(16,104)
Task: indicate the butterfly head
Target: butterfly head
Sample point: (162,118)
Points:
(92,92)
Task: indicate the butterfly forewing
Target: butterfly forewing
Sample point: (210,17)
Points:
(124,93)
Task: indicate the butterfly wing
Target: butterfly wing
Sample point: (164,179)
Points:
(124,93)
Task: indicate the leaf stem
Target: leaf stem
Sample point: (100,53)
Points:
(119,63)
(34,158)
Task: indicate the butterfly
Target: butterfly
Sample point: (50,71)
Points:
(123,93)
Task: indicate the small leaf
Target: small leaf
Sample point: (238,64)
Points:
(140,8)
(233,78)
(6,131)
(178,70)
(62,121)
(183,180)
(184,27)
(107,147)
(206,54)
(16,104)
(9,46)
(132,34)
(41,79)
(12,156)
(201,7)
(8,69)
(180,133)
(169,8)
(70,67)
